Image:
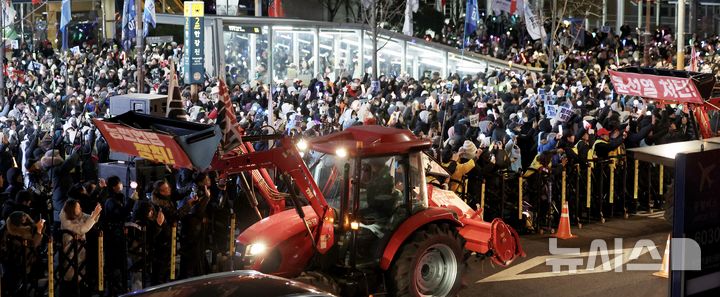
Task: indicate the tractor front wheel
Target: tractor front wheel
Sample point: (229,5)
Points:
(430,263)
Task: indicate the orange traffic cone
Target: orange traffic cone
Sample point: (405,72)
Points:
(563,231)
(665,269)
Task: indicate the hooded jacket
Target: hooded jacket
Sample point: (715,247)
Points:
(20,224)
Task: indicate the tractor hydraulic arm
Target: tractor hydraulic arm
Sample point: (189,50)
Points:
(259,178)
(287,159)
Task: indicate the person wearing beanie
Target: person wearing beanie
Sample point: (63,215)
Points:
(464,163)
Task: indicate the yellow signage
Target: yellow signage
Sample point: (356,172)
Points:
(194,8)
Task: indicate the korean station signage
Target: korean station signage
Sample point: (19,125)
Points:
(194,57)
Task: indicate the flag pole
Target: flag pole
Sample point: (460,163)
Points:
(2,58)
(139,45)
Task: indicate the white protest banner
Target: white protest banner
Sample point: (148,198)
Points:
(533,24)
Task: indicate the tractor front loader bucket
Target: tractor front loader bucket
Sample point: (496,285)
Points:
(176,143)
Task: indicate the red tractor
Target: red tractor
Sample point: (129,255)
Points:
(375,226)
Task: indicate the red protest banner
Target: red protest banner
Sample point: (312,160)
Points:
(148,145)
(664,88)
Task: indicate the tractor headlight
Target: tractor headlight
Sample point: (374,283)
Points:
(255,249)
(302,145)
(341,152)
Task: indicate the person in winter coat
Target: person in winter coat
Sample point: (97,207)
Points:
(59,174)
(14,182)
(21,202)
(464,163)
(20,226)
(164,201)
(194,228)
(74,220)
(512,149)
(606,143)
(141,247)
(116,212)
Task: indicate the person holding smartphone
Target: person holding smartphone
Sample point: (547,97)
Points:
(79,224)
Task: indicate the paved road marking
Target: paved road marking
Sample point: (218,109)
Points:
(654,215)
(514,272)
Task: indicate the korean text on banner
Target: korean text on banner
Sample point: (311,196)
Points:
(148,145)
(674,89)
(533,24)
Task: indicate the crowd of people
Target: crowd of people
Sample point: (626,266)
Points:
(504,37)
(480,125)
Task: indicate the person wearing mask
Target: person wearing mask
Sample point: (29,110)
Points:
(78,224)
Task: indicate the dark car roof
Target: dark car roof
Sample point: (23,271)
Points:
(239,283)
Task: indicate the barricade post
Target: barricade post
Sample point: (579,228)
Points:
(562,187)
(660,181)
(51,268)
(520,197)
(231,252)
(482,198)
(635,183)
(173,251)
(101,263)
(588,188)
(611,199)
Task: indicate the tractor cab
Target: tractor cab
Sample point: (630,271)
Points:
(373,178)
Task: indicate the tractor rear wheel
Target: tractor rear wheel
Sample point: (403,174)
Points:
(430,263)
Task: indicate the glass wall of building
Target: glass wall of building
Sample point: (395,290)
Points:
(390,54)
(307,50)
(293,52)
(464,66)
(339,50)
(245,52)
(425,62)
